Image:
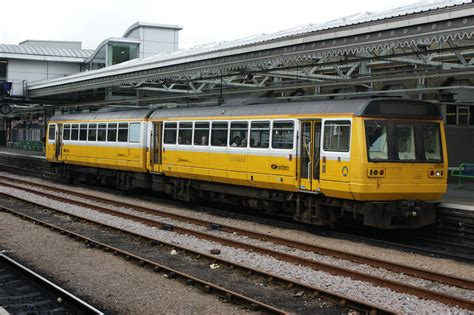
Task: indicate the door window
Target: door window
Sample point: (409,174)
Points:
(52,132)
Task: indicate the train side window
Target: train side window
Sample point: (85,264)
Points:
(67,132)
(219,134)
(238,134)
(282,135)
(170,133)
(405,135)
(123,132)
(92,135)
(75,132)
(134,133)
(201,133)
(260,134)
(111,132)
(102,132)
(52,132)
(337,135)
(185,134)
(83,132)
(376,133)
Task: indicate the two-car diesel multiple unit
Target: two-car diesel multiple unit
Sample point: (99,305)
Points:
(381,162)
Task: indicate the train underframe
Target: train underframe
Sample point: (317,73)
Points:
(311,208)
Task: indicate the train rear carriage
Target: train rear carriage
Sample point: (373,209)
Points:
(105,146)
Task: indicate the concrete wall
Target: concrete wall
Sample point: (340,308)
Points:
(460,144)
(155,40)
(30,70)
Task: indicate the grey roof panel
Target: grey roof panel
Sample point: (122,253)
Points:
(45,51)
(287,108)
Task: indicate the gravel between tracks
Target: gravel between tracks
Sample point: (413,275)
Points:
(397,302)
(466,294)
(447,266)
(103,279)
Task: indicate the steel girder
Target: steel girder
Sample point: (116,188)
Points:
(415,56)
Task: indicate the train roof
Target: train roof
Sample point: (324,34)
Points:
(135,114)
(355,107)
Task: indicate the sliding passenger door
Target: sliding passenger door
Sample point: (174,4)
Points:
(156,147)
(309,161)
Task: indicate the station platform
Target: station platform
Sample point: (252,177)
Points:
(12,151)
(455,198)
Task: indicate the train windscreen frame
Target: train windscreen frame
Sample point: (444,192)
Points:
(403,141)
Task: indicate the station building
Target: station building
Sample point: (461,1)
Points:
(36,60)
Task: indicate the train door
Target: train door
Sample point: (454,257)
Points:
(310,149)
(156,147)
(58,142)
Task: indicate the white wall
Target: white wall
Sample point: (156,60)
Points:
(19,70)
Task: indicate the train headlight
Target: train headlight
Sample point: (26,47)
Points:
(377,172)
(435,173)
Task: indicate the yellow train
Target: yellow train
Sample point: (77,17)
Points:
(382,162)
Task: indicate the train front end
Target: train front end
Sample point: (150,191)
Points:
(402,164)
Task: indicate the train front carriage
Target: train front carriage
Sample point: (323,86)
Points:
(385,165)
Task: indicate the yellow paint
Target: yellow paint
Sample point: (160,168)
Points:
(347,179)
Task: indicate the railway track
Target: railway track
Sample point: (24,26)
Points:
(454,228)
(23,291)
(55,193)
(150,253)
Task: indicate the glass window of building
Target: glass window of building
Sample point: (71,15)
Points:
(3,70)
(98,62)
(121,52)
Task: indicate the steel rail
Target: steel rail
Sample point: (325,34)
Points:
(78,303)
(409,270)
(394,285)
(230,295)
